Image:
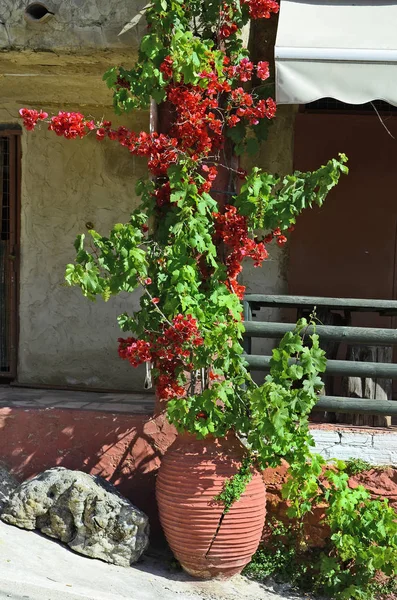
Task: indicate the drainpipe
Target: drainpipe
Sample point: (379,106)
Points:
(39,12)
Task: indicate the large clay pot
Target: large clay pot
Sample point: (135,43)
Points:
(192,473)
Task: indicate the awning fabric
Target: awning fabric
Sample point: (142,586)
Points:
(336,49)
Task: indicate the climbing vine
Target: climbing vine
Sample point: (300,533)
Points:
(359,558)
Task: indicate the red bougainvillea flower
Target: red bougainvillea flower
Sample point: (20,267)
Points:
(232,229)
(261,9)
(166,67)
(69,125)
(135,351)
(31,117)
(281,240)
(245,69)
(201,415)
(227,29)
(167,388)
(262,70)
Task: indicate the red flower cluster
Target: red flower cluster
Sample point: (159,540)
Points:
(167,388)
(243,102)
(211,174)
(31,117)
(232,229)
(226,30)
(262,70)
(166,67)
(276,233)
(197,127)
(170,353)
(162,194)
(245,69)
(70,125)
(261,9)
(159,148)
(135,351)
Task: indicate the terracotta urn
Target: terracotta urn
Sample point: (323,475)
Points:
(207,542)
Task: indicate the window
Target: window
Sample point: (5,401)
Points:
(9,235)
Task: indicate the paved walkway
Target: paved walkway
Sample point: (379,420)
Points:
(33,567)
(21,397)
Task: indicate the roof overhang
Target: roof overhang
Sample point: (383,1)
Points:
(336,49)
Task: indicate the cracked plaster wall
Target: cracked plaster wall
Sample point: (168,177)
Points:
(64,338)
(75,24)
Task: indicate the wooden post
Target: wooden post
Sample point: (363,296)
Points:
(368,387)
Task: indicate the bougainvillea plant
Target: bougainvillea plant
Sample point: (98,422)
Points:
(199,218)
(185,245)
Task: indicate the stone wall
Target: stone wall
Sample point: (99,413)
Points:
(69,24)
(375,446)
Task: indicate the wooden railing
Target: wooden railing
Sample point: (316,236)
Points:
(333,333)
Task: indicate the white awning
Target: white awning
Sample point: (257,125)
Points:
(336,49)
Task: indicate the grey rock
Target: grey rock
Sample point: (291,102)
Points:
(8,483)
(84,511)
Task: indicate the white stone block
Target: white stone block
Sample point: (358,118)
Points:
(385,440)
(356,438)
(325,436)
(374,456)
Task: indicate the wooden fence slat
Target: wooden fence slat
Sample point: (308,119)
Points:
(258,362)
(341,404)
(350,335)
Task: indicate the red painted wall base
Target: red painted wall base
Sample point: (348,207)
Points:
(124,449)
(127,450)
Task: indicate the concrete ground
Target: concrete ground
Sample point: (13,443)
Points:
(33,567)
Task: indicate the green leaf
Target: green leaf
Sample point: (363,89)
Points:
(252,146)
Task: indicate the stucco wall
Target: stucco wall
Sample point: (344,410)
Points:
(65,339)
(276,155)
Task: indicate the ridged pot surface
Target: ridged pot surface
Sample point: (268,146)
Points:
(192,473)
